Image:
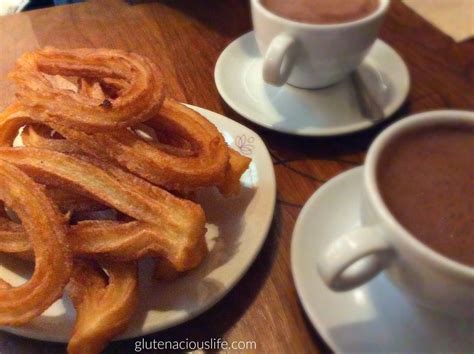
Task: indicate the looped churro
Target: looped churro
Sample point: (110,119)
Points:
(46,231)
(137,102)
(190,153)
(165,226)
(205,166)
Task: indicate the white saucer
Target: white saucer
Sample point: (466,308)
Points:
(236,230)
(376,317)
(325,112)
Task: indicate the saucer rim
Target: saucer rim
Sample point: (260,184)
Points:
(297,236)
(389,110)
(318,313)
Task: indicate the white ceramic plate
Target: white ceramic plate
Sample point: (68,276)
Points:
(324,112)
(376,317)
(237,228)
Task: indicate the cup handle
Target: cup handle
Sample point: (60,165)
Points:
(337,266)
(276,69)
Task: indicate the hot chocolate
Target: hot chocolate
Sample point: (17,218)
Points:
(426,178)
(322,11)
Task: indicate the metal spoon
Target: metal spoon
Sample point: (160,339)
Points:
(368,105)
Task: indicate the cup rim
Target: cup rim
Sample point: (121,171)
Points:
(370,173)
(382,8)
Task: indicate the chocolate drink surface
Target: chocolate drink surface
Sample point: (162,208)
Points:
(322,11)
(426,179)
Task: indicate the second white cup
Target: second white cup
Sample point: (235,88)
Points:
(312,55)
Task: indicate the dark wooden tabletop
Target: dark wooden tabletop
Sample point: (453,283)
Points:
(185,38)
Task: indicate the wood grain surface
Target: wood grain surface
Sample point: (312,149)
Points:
(185,38)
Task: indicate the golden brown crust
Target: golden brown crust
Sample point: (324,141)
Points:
(100,138)
(205,166)
(140,101)
(165,225)
(46,230)
(104,302)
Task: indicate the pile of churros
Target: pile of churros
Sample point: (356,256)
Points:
(105,176)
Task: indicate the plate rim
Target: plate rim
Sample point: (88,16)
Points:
(320,132)
(146,330)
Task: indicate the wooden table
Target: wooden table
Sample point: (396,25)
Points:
(185,38)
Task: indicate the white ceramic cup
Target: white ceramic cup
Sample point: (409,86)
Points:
(312,55)
(382,243)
